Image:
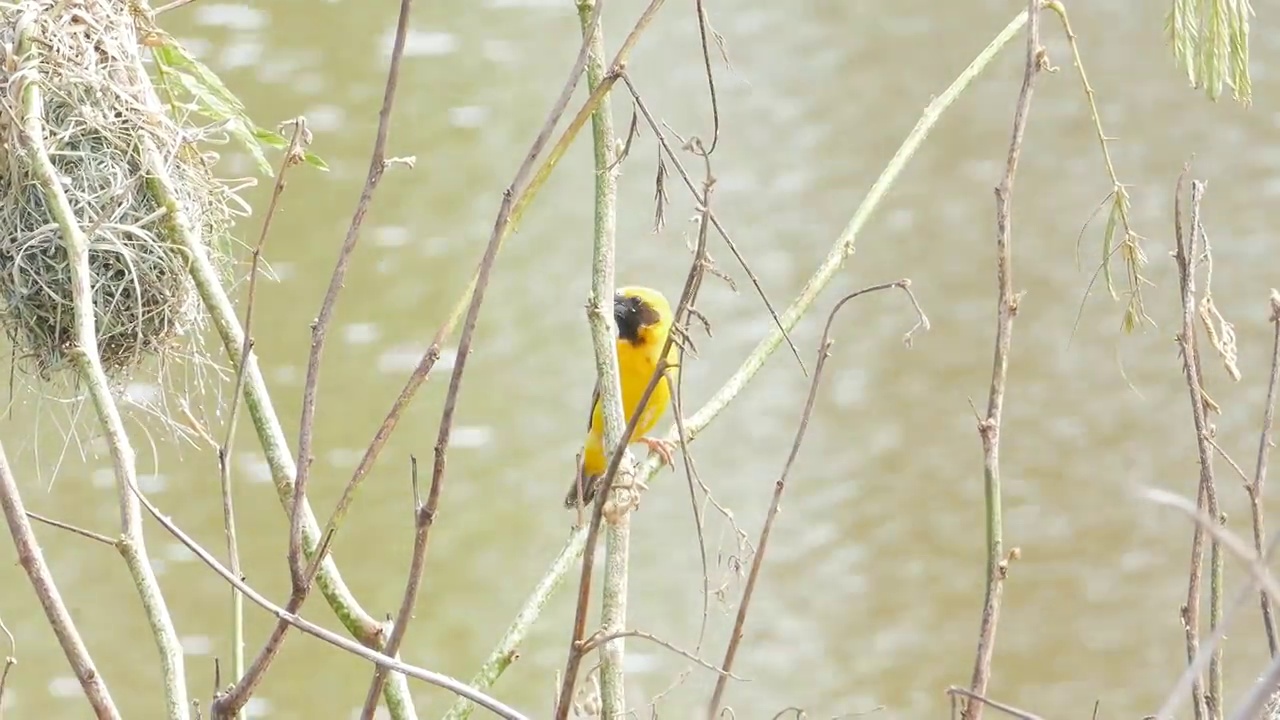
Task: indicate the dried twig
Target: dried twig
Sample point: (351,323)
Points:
(293,155)
(97,537)
(989,427)
(301,572)
(378,163)
(515,197)
(1188,252)
(32,561)
(824,352)
(424,515)
(1260,473)
(1006,709)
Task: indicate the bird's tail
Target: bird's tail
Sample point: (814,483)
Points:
(582,492)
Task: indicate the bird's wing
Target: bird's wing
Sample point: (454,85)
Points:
(591,409)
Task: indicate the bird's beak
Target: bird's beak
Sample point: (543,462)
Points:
(619,309)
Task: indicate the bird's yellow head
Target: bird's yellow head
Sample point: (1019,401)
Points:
(642,314)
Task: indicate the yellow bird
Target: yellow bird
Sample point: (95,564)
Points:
(644,319)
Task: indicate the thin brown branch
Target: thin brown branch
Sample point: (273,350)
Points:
(824,352)
(301,572)
(715,222)
(339,641)
(97,537)
(600,639)
(378,163)
(32,561)
(711,79)
(989,428)
(1188,252)
(1006,709)
(1255,488)
(293,155)
(511,198)
(424,516)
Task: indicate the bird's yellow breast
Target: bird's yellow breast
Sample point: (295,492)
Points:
(636,364)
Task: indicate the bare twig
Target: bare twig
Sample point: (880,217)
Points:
(516,195)
(824,352)
(599,639)
(424,515)
(293,155)
(328,636)
(1209,648)
(1188,252)
(32,561)
(301,571)
(97,537)
(989,428)
(378,164)
(10,660)
(1006,709)
(1260,473)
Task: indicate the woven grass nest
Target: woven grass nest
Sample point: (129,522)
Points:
(104,127)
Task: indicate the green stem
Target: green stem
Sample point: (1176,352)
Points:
(88,363)
(613,612)
(499,659)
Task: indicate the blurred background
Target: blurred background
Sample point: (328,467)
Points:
(872,588)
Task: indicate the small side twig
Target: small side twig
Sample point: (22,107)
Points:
(1260,473)
(96,537)
(989,427)
(1009,710)
(64,628)
(424,514)
(824,352)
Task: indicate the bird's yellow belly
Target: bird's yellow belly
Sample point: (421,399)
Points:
(635,379)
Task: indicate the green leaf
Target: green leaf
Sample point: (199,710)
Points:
(214,100)
(280,142)
(1108,242)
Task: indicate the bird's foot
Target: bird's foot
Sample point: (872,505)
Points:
(664,449)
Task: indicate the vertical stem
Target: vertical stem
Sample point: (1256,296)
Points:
(88,363)
(997,565)
(613,612)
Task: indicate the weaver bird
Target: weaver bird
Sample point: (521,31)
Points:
(644,319)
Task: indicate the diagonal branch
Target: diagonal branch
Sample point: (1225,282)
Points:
(64,628)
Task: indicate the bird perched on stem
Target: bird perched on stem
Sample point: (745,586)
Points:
(644,319)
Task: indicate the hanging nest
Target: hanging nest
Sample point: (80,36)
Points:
(109,139)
